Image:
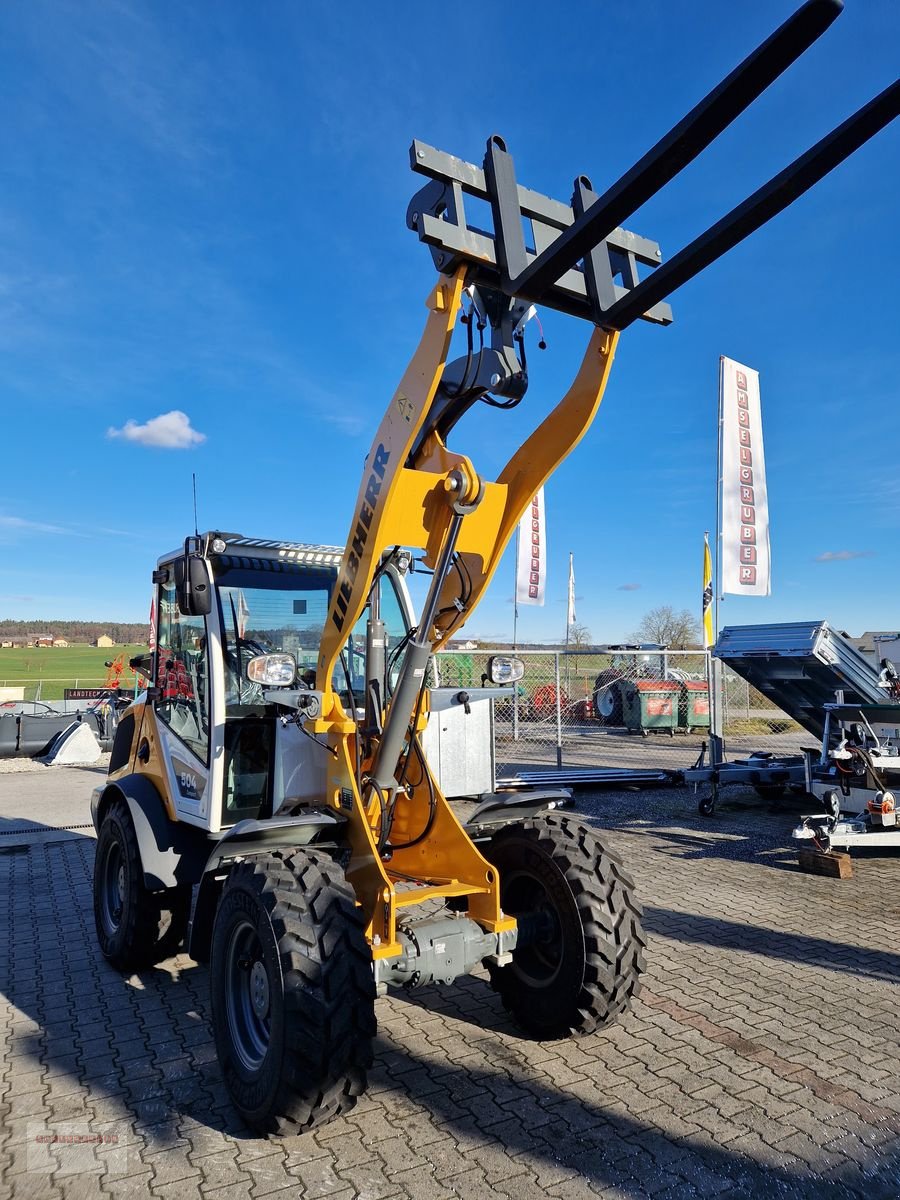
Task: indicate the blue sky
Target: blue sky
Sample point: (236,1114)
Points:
(202,212)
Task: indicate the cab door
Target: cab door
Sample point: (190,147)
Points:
(182,707)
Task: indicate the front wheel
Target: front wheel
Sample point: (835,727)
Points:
(292,991)
(580,952)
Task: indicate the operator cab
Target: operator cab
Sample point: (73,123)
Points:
(230,754)
(641,659)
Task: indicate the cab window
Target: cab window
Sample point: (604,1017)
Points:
(182,676)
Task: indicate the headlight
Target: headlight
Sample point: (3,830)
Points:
(272,670)
(503,669)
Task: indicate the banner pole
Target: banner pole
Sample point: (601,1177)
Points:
(515,633)
(719,472)
(568,616)
(714,667)
(516,592)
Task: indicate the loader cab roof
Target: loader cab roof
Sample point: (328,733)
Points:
(235,545)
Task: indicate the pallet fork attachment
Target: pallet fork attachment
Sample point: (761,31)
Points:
(580,249)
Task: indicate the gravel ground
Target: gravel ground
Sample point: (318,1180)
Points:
(25,766)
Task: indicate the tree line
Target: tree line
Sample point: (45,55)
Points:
(122,632)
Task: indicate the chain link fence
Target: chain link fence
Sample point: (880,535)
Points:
(644,709)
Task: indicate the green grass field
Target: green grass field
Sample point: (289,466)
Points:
(57,668)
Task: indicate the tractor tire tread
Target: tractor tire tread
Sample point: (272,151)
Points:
(610,916)
(329,990)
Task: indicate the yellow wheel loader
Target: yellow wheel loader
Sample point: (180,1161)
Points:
(269,804)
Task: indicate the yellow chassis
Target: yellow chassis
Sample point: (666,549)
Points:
(408,502)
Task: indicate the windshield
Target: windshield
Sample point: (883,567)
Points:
(275,607)
(270,608)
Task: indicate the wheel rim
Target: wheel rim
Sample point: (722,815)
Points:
(113,886)
(247,996)
(526,898)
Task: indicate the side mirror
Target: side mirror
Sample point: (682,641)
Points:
(272,670)
(142,664)
(192,586)
(501,668)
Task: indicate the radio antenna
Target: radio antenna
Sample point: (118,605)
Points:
(194,482)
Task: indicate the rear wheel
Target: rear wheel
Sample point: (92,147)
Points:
(292,989)
(580,954)
(135,927)
(608,699)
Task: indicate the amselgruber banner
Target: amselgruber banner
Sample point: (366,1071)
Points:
(746,556)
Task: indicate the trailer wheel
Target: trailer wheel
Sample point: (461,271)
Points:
(292,990)
(582,946)
(135,927)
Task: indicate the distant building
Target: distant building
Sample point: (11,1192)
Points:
(5,643)
(881,642)
(104,640)
(43,640)
(59,641)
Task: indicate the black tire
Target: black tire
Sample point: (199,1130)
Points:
(579,968)
(135,927)
(292,990)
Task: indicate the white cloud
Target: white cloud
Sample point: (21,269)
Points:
(20,524)
(168,431)
(843,555)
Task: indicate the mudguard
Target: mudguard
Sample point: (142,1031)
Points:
(172,852)
(319,826)
(508,808)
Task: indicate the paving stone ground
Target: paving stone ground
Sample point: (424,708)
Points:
(761,1059)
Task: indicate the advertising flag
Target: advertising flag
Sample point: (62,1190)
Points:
(707,618)
(745,558)
(531,561)
(570,613)
(243,613)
